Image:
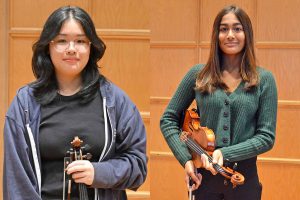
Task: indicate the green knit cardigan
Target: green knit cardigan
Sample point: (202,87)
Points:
(244,122)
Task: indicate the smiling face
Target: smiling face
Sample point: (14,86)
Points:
(70,50)
(231,35)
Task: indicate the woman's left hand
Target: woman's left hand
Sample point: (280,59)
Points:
(82,171)
(217,159)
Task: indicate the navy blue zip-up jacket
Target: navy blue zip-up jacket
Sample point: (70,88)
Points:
(122,164)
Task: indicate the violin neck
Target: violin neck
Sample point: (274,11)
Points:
(199,150)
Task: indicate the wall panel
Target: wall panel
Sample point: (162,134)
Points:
(167,178)
(169,65)
(133,77)
(284,64)
(20,72)
(280,181)
(204,55)
(31,13)
(278,20)
(286,135)
(125,14)
(176,21)
(158,143)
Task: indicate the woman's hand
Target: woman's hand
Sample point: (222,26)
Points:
(217,159)
(82,171)
(191,172)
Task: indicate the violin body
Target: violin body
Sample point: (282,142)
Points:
(204,136)
(201,140)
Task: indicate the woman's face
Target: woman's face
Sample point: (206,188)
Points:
(231,35)
(70,50)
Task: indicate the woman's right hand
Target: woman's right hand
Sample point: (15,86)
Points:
(191,172)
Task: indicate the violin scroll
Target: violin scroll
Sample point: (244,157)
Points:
(237,179)
(76,143)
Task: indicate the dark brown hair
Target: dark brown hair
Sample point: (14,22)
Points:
(209,78)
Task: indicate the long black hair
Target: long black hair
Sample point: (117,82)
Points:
(45,86)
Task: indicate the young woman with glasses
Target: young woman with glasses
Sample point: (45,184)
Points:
(70,98)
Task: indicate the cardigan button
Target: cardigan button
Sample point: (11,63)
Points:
(225,140)
(225,127)
(225,114)
(226,102)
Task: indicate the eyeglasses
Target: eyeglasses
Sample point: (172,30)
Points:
(61,45)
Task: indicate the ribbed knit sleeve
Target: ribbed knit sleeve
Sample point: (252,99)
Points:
(264,124)
(170,121)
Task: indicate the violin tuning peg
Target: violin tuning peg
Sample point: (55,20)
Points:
(234,167)
(88,156)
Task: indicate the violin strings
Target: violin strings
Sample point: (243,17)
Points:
(192,144)
(83,195)
(83,192)
(200,151)
(197,148)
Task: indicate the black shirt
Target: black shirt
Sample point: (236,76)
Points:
(61,121)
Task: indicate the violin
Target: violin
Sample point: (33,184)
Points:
(75,153)
(201,140)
